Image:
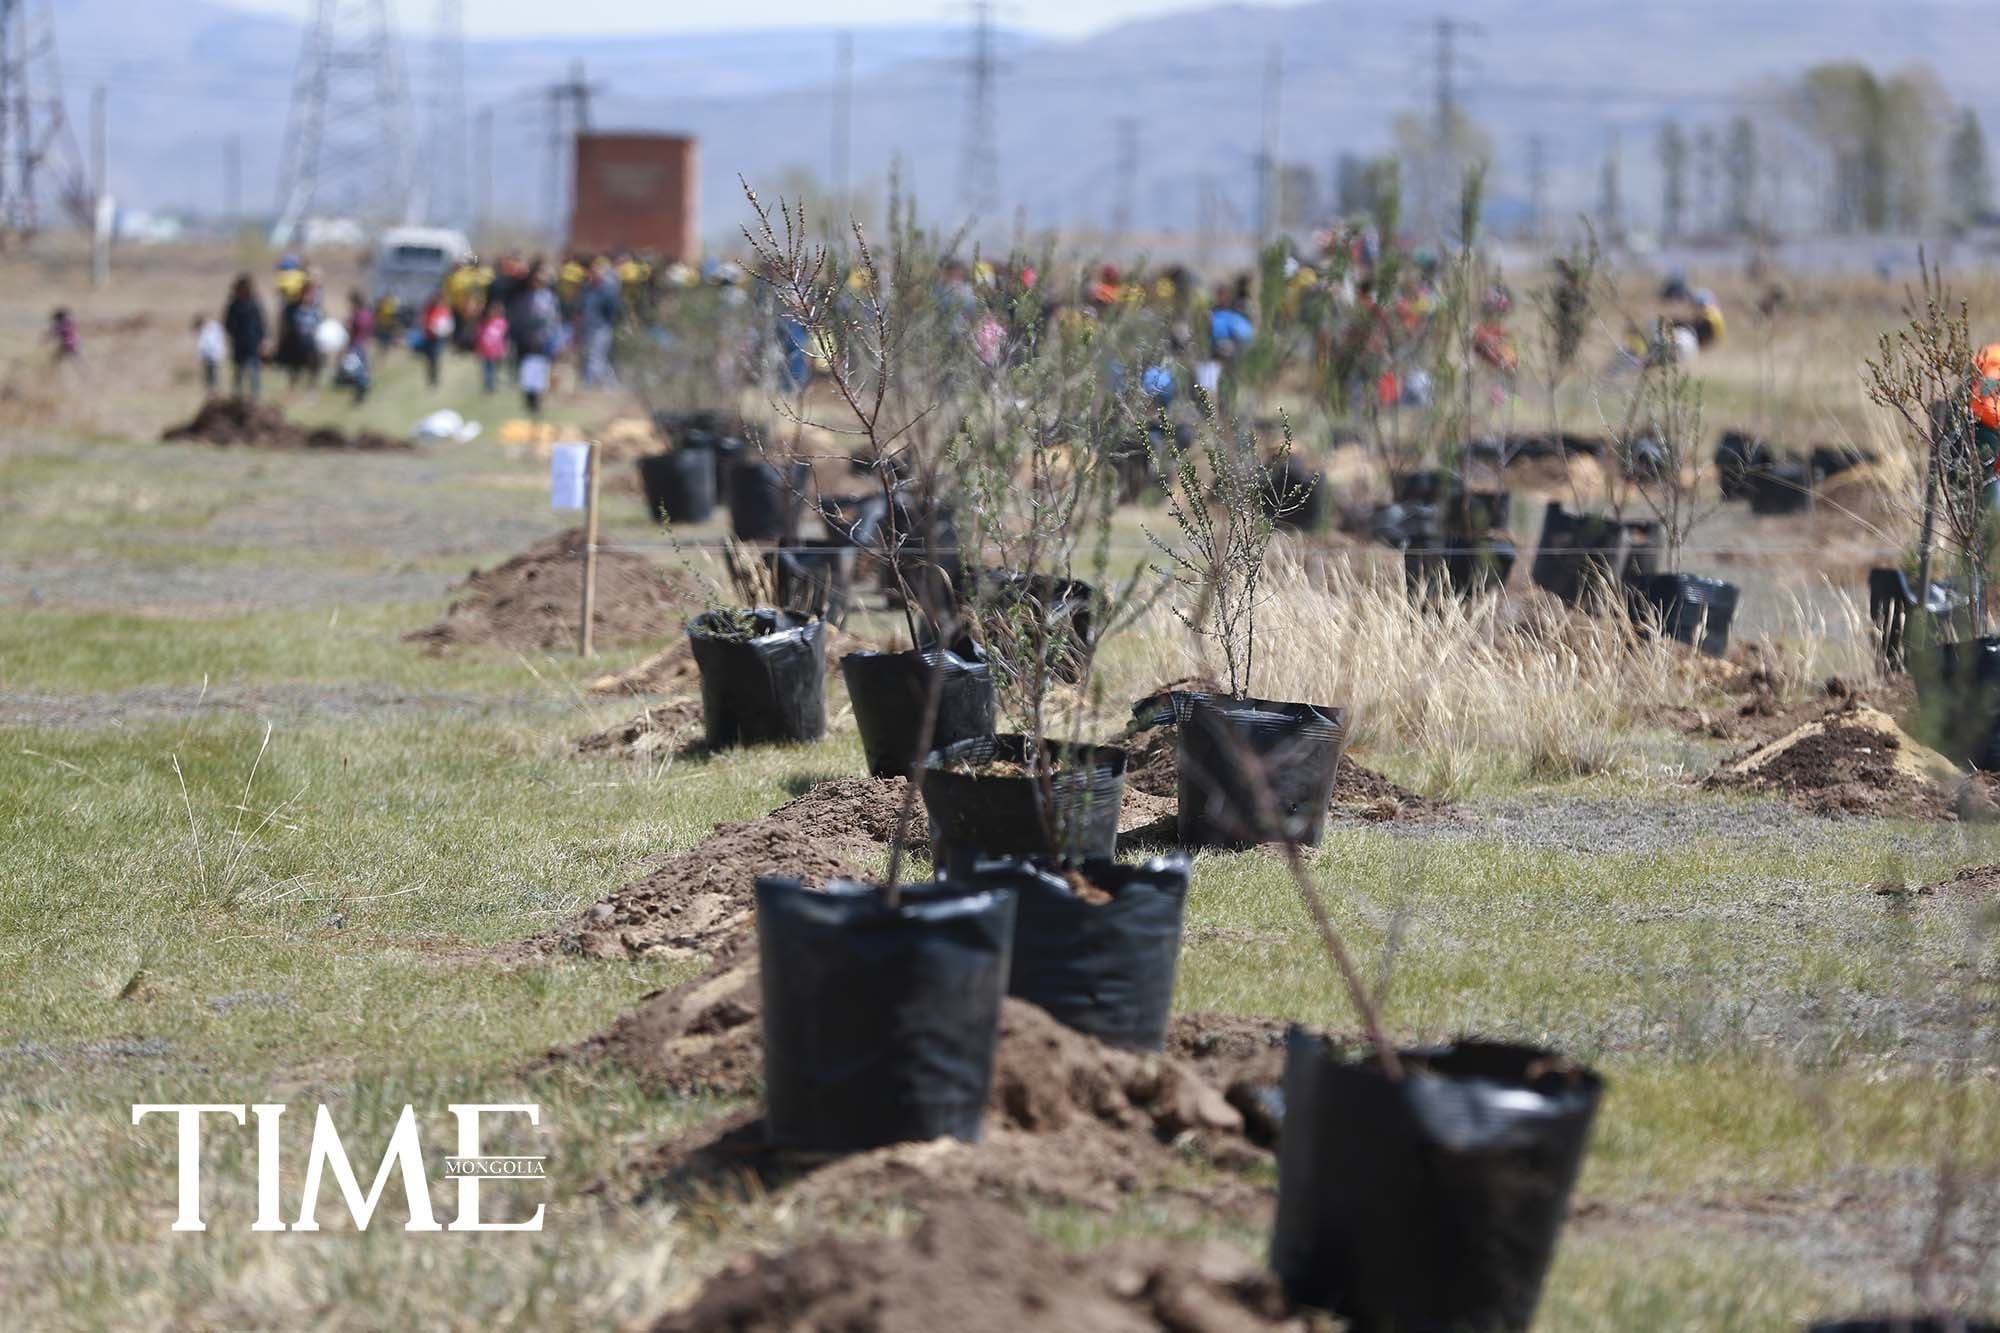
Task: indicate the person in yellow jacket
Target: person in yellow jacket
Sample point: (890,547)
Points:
(569,282)
(292,277)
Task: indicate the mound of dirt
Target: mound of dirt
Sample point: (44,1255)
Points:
(669,728)
(975,1267)
(1973,881)
(1853,759)
(701,897)
(703,1036)
(253,425)
(1359,792)
(706,895)
(533,600)
(869,808)
(1068,1119)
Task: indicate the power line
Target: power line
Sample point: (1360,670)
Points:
(1538,186)
(979,154)
(1267,147)
(446,189)
(347,140)
(36,141)
(842,121)
(568,116)
(1125,175)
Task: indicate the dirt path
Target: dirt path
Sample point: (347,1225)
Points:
(171,703)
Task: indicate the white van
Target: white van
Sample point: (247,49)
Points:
(411,262)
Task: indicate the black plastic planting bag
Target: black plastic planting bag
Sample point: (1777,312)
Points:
(854,519)
(1959,688)
(1225,742)
(768,688)
(813,578)
(888,691)
(1169,708)
(1010,601)
(1892,602)
(879,1023)
(1462,567)
(1694,610)
(1295,495)
(1104,967)
(983,802)
(680,486)
(765,501)
(1781,488)
(1577,552)
(1736,456)
(1431,1204)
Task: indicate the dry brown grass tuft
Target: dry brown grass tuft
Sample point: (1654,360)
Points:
(1491,690)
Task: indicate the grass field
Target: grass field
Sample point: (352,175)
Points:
(255,848)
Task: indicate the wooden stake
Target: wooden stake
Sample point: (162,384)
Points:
(589,550)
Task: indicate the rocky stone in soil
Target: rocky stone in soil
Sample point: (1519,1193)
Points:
(973,1266)
(240,422)
(533,601)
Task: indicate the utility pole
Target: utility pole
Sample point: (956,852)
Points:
(1610,196)
(1125,175)
(979,154)
(35,136)
(447,196)
(842,120)
(1538,187)
(482,160)
(1204,225)
(569,116)
(1704,181)
(347,139)
(1437,185)
(101,219)
(1267,150)
(232,181)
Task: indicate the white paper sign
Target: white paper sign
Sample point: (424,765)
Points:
(569,470)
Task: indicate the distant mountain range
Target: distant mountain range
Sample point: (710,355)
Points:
(184,78)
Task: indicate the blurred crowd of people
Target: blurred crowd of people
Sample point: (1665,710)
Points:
(518,317)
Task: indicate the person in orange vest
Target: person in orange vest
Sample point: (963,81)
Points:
(1986,400)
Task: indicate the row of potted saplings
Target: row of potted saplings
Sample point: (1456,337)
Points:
(1418,1189)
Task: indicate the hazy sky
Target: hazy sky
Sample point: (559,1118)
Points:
(509,17)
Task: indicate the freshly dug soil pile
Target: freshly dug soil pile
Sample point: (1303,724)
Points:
(1973,881)
(253,425)
(1359,792)
(1852,760)
(668,729)
(706,895)
(533,600)
(974,1267)
(1069,1119)
(869,808)
(703,896)
(1245,1057)
(702,1036)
